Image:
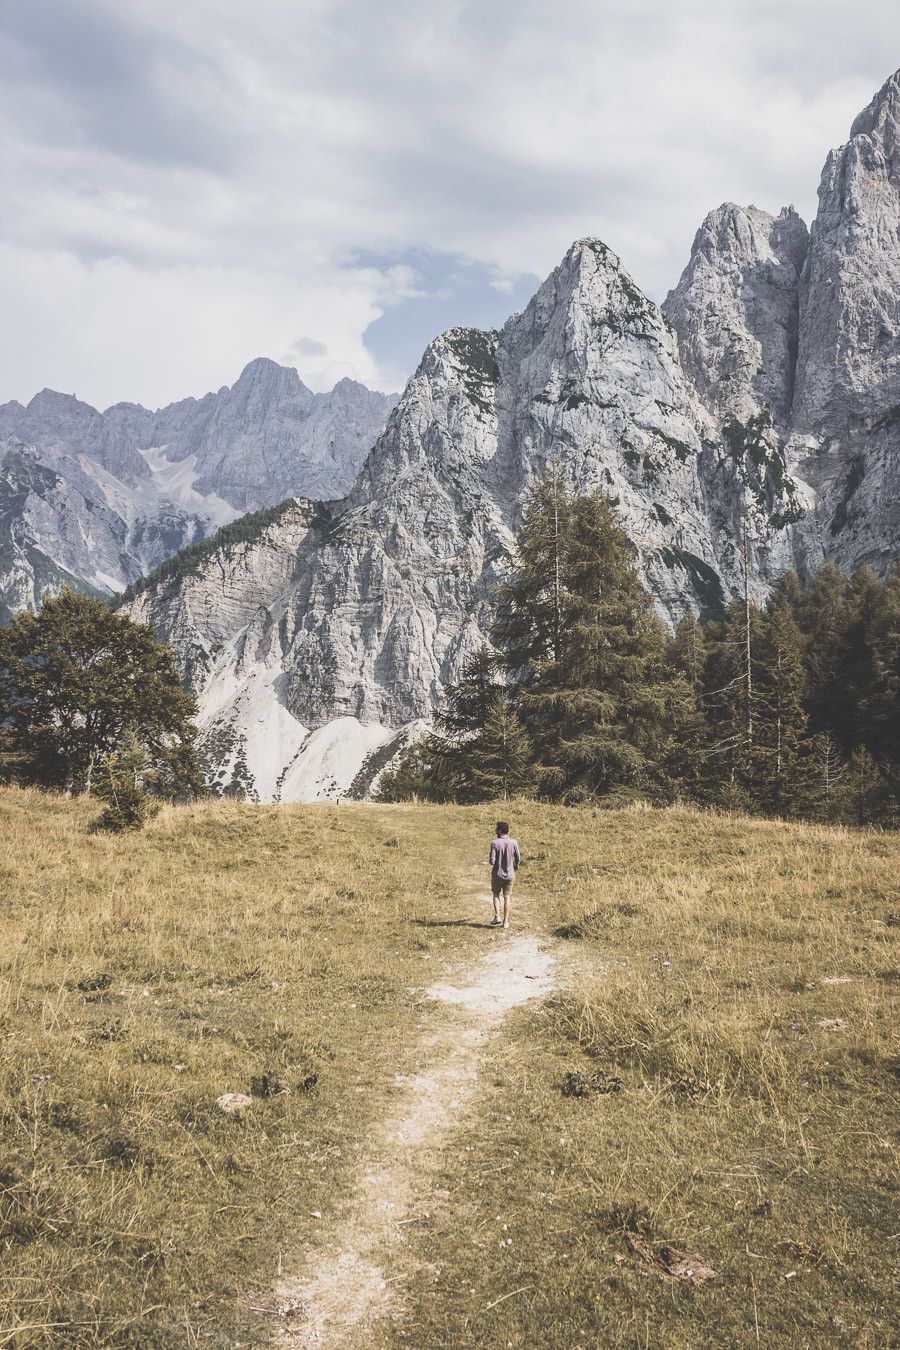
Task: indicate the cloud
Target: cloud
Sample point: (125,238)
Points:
(190,185)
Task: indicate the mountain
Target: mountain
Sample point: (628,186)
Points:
(736,310)
(99,499)
(846,412)
(760,404)
(318,644)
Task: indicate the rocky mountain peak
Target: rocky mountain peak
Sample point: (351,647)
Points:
(880,120)
(264,378)
(735,310)
(53,406)
(849,360)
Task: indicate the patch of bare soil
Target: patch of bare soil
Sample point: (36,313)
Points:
(349,1280)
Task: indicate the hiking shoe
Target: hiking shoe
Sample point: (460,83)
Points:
(506,925)
(494,921)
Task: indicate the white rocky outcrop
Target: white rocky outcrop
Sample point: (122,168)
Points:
(846,412)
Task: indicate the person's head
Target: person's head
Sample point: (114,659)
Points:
(502,827)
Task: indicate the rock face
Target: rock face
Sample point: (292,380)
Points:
(736,310)
(98,499)
(388,591)
(846,414)
(762,404)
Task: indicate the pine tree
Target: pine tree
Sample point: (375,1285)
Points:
(579,636)
(871,664)
(76,680)
(498,761)
(122,780)
(731,704)
(831,770)
(688,655)
(779,778)
(530,625)
(823,620)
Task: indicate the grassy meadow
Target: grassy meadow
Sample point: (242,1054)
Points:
(722,1030)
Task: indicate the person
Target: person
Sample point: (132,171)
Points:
(505,858)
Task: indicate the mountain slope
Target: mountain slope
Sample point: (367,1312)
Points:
(110,495)
(763,406)
(846,415)
(736,310)
(389,591)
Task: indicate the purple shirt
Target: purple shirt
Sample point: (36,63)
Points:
(505,857)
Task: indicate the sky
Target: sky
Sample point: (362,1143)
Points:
(189,184)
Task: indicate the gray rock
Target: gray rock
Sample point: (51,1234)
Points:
(387,593)
(736,310)
(106,497)
(846,414)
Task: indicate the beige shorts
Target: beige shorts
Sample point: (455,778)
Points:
(500,887)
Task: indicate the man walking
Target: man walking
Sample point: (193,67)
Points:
(505,858)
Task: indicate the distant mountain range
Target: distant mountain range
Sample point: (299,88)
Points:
(761,400)
(98,499)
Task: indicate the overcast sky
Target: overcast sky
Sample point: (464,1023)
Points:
(188,184)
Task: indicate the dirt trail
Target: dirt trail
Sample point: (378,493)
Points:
(349,1282)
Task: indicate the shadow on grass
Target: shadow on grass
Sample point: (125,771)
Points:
(450,923)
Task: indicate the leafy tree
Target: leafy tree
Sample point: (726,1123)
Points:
(76,681)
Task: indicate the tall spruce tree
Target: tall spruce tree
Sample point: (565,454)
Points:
(871,667)
(730,701)
(601,704)
(780,777)
(497,763)
(479,750)
(823,619)
(688,656)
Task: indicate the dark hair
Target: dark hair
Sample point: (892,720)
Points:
(502,827)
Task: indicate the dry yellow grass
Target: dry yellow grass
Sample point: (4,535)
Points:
(245,942)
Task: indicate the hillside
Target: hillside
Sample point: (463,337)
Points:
(720,988)
(753,411)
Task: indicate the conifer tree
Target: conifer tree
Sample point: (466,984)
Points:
(688,656)
(529,627)
(496,763)
(578,634)
(871,666)
(824,616)
(122,781)
(780,781)
(731,703)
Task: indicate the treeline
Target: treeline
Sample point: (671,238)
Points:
(789,711)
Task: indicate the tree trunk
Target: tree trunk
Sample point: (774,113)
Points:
(748,676)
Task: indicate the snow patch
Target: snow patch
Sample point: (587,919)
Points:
(108,583)
(175,479)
